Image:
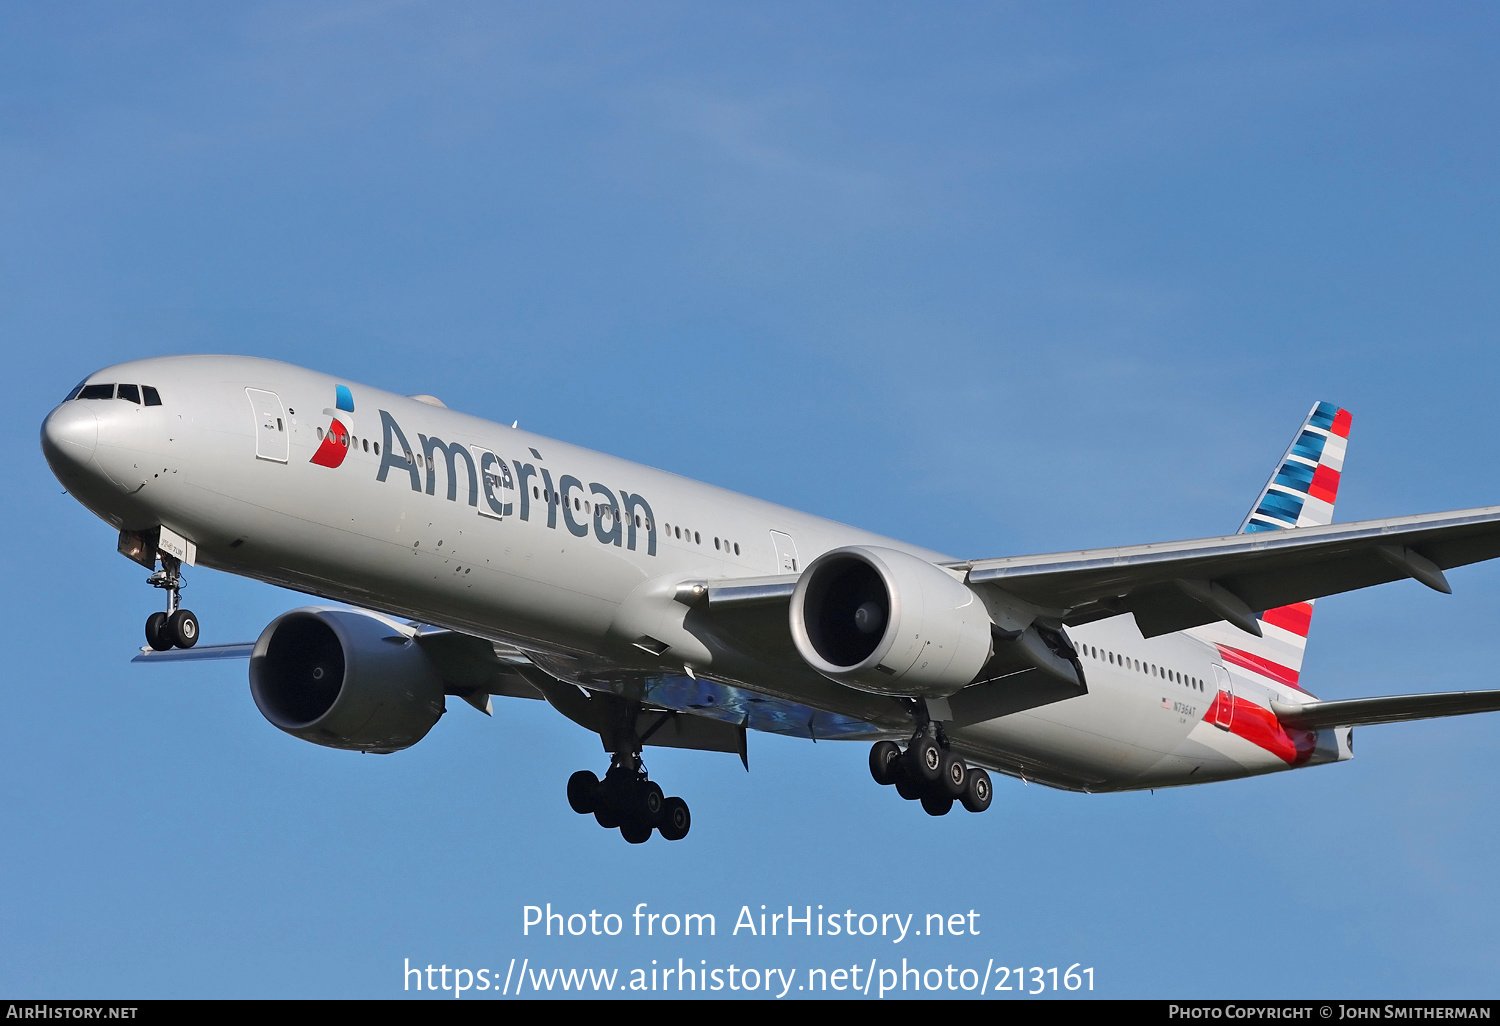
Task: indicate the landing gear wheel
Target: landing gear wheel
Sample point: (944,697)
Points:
(182,628)
(908,788)
(635,833)
(675,819)
(605,814)
(649,802)
(937,806)
(977,793)
(883,761)
(581,788)
(156,632)
(924,760)
(955,775)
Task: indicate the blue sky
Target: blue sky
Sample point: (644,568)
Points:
(990,278)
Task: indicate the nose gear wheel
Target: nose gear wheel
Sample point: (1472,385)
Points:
(177,627)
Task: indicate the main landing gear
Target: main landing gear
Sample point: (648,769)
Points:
(625,798)
(932,773)
(177,627)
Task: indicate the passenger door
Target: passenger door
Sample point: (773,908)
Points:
(270,425)
(1222,712)
(497,487)
(786,553)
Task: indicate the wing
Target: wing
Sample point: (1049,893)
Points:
(1176,585)
(1172,586)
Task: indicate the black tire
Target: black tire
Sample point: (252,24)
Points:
(675,819)
(908,788)
(955,775)
(923,760)
(937,806)
(156,632)
(635,833)
(581,788)
(605,812)
(884,758)
(649,803)
(978,793)
(182,628)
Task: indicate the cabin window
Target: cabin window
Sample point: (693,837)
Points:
(366,444)
(320,434)
(736,548)
(697,538)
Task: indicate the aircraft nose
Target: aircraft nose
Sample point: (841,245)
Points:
(70,433)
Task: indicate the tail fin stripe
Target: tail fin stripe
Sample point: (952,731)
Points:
(1294,618)
(1324,415)
(1280,506)
(1325,484)
(1310,446)
(1296,476)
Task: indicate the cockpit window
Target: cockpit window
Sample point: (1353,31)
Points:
(129,392)
(97,392)
(73,392)
(152,399)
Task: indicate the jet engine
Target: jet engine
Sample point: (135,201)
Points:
(883,621)
(345,679)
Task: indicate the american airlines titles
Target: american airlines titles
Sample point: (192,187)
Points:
(616,520)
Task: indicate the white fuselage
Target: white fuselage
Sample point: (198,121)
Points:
(543,546)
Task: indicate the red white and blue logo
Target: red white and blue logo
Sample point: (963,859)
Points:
(340,422)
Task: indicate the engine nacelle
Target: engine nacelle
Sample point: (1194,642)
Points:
(344,679)
(887,622)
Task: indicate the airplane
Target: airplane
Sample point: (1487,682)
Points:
(474,560)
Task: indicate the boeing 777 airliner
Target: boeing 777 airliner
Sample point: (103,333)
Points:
(474,559)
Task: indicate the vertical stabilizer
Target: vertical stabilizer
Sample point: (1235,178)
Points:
(1300,493)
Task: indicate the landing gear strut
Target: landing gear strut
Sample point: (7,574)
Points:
(930,772)
(177,627)
(626,798)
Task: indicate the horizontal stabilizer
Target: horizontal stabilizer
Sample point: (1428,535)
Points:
(180,655)
(1354,712)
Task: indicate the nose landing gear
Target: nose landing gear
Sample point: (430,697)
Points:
(930,772)
(627,799)
(177,627)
